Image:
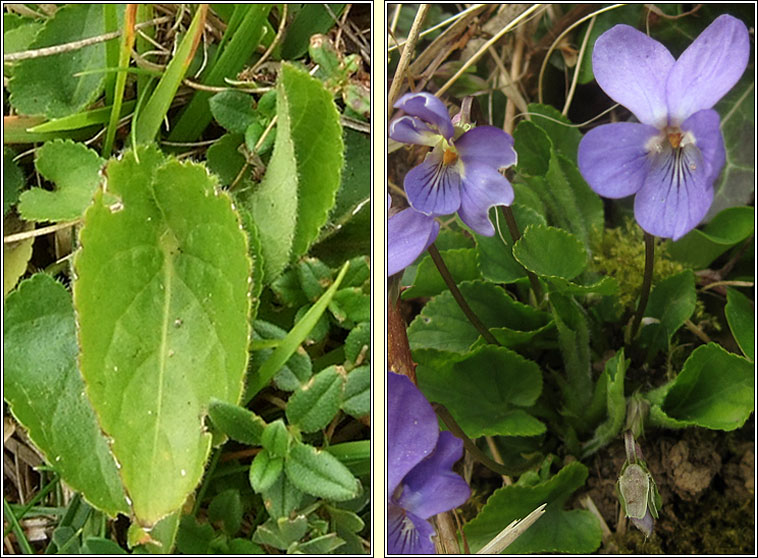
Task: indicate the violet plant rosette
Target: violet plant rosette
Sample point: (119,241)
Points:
(420,480)
(672,157)
(409,233)
(460,174)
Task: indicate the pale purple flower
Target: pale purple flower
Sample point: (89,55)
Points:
(461,172)
(671,158)
(420,480)
(409,233)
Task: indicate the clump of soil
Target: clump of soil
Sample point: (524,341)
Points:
(707,483)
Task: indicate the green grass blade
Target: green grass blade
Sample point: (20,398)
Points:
(16,129)
(110,14)
(118,94)
(240,47)
(293,340)
(81,120)
(19,532)
(150,118)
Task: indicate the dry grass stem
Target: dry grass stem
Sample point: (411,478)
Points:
(505,537)
(486,46)
(405,57)
(75,45)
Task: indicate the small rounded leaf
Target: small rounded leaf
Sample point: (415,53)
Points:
(265,470)
(320,474)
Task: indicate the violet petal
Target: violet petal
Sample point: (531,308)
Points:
(705,125)
(409,129)
(429,109)
(676,194)
(709,68)
(644,524)
(407,533)
(632,68)
(613,158)
(432,487)
(412,429)
(488,145)
(409,233)
(433,187)
(482,187)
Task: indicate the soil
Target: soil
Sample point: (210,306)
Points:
(707,482)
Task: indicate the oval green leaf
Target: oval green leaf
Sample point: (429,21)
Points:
(313,405)
(237,422)
(46,393)
(162,303)
(299,188)
(265,470)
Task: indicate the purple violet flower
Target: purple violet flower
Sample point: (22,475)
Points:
(461,172)
(420,480)
(409,233)
(671,158)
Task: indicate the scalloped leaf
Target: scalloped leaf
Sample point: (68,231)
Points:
(233,110)
(162,304)
(442,325)
(550,252)
(46,393)
(494,254)
(299,188)
(75,170)
(671,303)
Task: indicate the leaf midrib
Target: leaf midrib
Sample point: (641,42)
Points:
(168,282)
